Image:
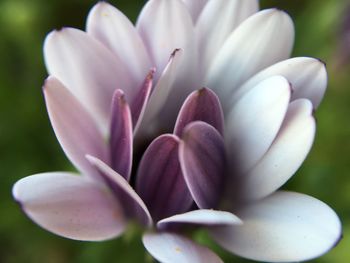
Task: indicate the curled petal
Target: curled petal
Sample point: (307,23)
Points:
(286,154)
(284,227)
(75,129)
(160,182)
(132,204)
(139,104)
(70,205)
(121,135)
(173,248)
(164,27)
(260,41)
(88,69)
(160,94)
(202,159)
(308,77)
(202,105)
(112,28)
(255,120)
(206,217)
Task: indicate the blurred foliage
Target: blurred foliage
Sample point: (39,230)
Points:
(28,144)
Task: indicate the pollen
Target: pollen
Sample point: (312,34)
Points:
(177,249)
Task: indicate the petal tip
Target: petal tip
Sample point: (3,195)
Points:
(119,95)
(322,62)
(177,51)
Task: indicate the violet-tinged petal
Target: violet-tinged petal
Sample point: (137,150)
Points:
(112,28)
(255,120)
(89,70)
(195,8)
(284,227)
(202,159)
(121,139)
(159,180)
(160,94)
(75,129)
(71,206)
(139,104)
(216,22)
(286,154)
(261,40)
(164,26)
(206,217)
(173,248)
(202,105)
(308,77)
(131,202)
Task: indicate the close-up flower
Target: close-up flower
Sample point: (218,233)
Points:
(194,118)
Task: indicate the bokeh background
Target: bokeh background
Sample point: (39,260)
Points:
(28,144)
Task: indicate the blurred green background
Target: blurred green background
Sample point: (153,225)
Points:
(28,144)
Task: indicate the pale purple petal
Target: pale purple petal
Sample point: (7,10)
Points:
(88,69)
(217,20)
(284,227)
(201,217)
(75,129)
(286,154)
(139,104)
(132,204)
(159,180)
(70,205)
(202,105)
(173,248)
(112,28)
(121,139)
(195,7)
(255,120)
(308,77)
(160,95)
(165,26)
(260,41)
(202,159)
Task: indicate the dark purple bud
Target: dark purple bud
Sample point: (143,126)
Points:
(201,105)
(160,182)
(121,135)
(202,158)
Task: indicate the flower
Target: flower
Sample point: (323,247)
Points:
(154,146)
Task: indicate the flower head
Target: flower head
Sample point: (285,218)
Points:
(129,110)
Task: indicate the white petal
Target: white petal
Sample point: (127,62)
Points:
(284,227)
(255,120)
(70,206)
(88,69)
(308,77)
(217,20)
(195,7)
(206,217)
(286,154)
(260,41)
(75,129)
(117,33)
(173,248)
(165,26)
